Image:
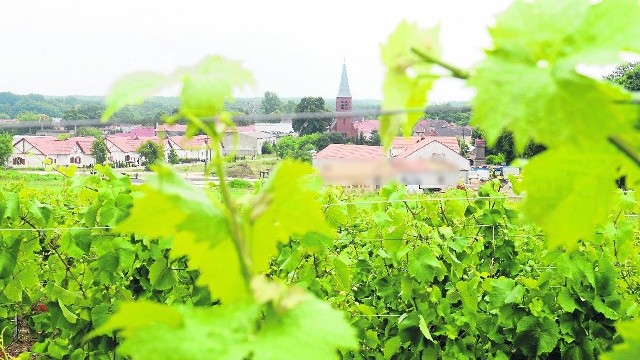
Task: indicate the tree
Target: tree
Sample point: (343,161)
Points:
(464,148)
(306,126)
(374,139)
(4,116)
(173,156)
(627,75)
(289,106)
(89,131)
(6,148)
(99,150)
(497,159)
(270,103)
(150,152)
(267,148)
(28,116)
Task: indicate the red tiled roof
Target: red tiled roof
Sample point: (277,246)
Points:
(367,126)
(247,128)
(141,131)
(175,127)
(450,142)
(131,144)
(84,143)
(343,151)
(194,143)
(401,142)
(49,145)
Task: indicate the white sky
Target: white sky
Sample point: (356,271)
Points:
(295,48)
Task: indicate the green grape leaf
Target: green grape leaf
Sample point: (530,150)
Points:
(391,346)
(566,301)
(160,276)
(529,85)
(287,205)
(291,330)
(209,84)
(219,267)
(408,78)
(343,274)
(609,27)
(13,290)
(71,317)
(630,348)
(167,206)
(541,104)
(132,316)
(423,264)
(549,336)
(133,89)
(424,328)
(562,184)
(99,314)
(221,332)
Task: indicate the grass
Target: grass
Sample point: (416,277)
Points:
(12,178)
(249,169)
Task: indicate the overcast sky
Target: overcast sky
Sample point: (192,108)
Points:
(295,48)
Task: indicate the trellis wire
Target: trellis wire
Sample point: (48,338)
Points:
(425,200)
(236,118)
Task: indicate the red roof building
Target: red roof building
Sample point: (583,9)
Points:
(344,151)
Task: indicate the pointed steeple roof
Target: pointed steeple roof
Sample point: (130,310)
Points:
(344,83)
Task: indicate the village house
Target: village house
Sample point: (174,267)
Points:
(246,143)
(164,130)
(442,128)
(194,148)
(367,127)
(418,162)
(124,149)
(36,151)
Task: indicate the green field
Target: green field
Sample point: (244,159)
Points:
(12,178)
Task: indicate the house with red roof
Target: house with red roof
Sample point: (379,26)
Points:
(36,151)
(142,131)
(124,149)
(165,130)
(194,148)
(367,127)
(419,163)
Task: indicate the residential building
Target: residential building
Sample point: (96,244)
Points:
(194,148)
(246,143)
(164,130)
(418,162)
(124,149)
(37,151)
(366,127)
(366,166)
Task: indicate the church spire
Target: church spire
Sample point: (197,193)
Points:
(344,83)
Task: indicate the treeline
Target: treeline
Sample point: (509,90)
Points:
(36,107)
(302,147)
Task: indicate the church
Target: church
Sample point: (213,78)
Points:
(344,124)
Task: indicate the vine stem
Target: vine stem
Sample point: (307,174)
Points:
(236,235)
(455,71)
(626,149)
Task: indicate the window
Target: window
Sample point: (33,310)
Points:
(127,158)
(78,160)
(72,160)
(18,161)
(344,105)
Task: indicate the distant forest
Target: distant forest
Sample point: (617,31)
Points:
(35,107)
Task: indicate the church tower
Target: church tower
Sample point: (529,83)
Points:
(344,124)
